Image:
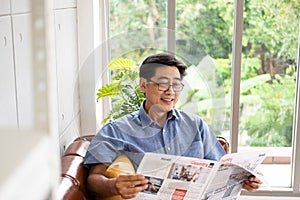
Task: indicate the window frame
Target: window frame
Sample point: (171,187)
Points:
(296,130)
(294,190)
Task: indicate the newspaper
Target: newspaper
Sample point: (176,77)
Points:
(184,178)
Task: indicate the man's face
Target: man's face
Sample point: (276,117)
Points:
(167,98)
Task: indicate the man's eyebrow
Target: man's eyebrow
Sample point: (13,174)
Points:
(168,78)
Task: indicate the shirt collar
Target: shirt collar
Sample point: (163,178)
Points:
(173,114)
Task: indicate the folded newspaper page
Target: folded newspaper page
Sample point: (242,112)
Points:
(184,178)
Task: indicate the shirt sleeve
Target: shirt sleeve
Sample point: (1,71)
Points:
(212,148)
(103,148)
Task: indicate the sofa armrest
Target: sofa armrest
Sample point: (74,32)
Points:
(72,185)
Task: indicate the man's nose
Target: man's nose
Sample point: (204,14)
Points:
(170,89)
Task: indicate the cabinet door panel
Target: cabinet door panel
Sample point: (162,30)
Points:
(8,109)
(4,7)
(23,64)
(23,6)
(67,67)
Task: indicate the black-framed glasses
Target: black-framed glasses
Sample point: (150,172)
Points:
(177,87)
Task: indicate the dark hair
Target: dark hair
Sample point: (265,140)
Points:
(150,64)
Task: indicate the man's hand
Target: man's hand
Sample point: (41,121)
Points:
(128,186)
(252,184)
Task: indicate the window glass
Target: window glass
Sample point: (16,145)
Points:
(137,28)
(204,31)
(268,80)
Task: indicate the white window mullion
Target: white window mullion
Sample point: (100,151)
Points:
(236,72)
(171,15)
(86,44)
(296,132)
(93,42)
(104,49)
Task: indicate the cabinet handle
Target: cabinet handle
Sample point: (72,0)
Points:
(20,37)
(4,41)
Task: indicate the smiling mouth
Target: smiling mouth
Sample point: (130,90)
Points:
(167,99)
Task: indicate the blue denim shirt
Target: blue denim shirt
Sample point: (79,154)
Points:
(135,134)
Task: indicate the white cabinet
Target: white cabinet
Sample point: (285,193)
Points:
(16,77)
(8,106)
(4,7)
(23,64)
(16,105)
(67,74)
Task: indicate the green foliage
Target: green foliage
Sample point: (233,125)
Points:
(123,89)
(250,66)
(249,70)
(207,22)
(271,26)
(130,21)
(272,113)
(266,104)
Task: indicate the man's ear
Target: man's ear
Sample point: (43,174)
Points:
(143,83)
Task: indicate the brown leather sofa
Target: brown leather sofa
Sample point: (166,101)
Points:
(73,174)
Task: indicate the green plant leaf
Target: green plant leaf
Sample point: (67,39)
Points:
(122,63)
(108,90)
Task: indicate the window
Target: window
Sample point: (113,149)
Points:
(268,84)
(243,58)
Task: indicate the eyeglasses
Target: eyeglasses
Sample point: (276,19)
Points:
(177,87)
